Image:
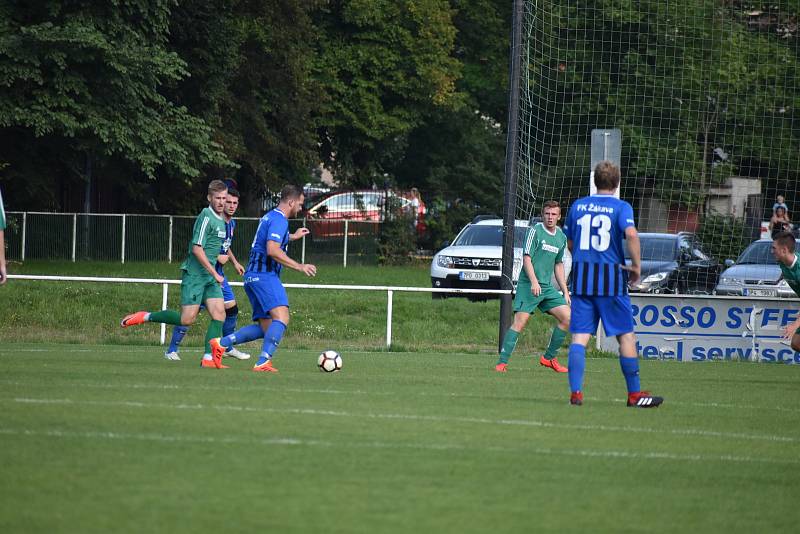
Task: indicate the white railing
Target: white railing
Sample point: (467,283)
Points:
(136,237)
(390,290)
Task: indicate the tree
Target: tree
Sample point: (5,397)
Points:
(251,65)
(682,80)
(383,66)
(85,82)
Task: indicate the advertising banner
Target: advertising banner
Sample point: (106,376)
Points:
(702,328)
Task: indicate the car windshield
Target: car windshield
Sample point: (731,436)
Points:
(757,254)
(656,249)
(483,235)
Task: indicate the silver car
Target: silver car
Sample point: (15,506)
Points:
(754,274)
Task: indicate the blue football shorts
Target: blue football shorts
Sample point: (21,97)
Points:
(265,292)
(615,312)
(227,291)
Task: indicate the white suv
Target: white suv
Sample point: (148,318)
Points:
(473,260)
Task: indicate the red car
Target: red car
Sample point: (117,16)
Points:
(362,209)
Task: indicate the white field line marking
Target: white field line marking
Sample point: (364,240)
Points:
(329,391)
(286,441)
(429,418)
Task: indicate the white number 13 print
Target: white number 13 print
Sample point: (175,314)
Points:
(600,241)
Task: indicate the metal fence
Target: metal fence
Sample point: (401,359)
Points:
(134,238)
(390,291)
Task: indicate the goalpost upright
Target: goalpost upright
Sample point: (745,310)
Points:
(510,188)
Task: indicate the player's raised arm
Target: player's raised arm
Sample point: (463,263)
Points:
(275,252)
(300,233)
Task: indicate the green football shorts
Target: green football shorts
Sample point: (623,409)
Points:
(197,288)
(548,299)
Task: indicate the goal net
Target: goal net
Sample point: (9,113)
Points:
(696,100)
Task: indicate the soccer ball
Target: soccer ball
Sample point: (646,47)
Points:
(330,361)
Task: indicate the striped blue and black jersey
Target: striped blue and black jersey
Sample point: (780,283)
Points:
(230,226)
(272,227)
(596,226)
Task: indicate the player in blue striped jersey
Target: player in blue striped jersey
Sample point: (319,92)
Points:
(597,227)
(231,307)
(262,281)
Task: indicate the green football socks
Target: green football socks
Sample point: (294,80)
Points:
(509,343)
(556,339)
(214,330)
(165,316)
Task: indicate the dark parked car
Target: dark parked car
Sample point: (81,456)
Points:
(755,274)
(676,263)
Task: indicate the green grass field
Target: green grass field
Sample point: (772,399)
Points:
(70,312)
(116,439)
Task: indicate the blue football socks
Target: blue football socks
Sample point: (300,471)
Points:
(272,338)
(630,368)
(177,336)
(250,332)
(576,364)
(229,325)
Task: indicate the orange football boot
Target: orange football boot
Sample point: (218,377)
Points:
(217,351)
(553,364)
(133,319)
(265,367)
(212,364)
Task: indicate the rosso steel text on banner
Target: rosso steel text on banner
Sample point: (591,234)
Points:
(702,328)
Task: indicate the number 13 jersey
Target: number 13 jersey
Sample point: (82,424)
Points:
(596,226)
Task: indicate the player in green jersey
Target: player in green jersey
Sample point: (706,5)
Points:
(200,281)
(543,253)
(784,249)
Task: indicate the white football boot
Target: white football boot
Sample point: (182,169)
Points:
(233,352)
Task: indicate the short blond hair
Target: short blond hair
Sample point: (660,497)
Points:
(216,186)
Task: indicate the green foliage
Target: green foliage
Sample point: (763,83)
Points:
(92,76)
(382,66)
(680,81)
(724,236)
(447,217)
(398,239)
(251,65)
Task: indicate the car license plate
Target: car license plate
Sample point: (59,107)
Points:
(760,293)
(473,276)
